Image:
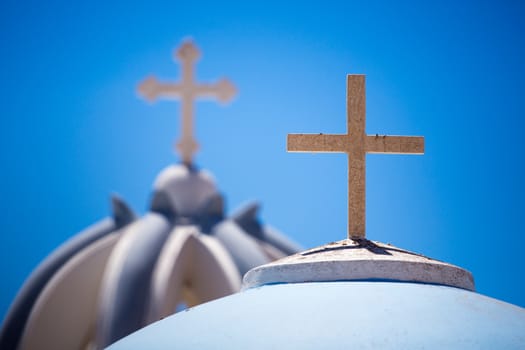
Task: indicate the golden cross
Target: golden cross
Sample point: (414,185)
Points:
(187,90)
(356,144)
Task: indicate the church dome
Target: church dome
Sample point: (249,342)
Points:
(340,315)
(130,270)
(188,189)
(347,294)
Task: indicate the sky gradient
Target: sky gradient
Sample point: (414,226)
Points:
(73,130)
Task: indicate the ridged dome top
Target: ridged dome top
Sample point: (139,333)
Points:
(187,188)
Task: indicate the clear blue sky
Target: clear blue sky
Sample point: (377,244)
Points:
(72,129)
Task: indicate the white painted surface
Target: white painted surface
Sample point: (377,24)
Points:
(64,316)
(192,268)
(188,190)
(349,260)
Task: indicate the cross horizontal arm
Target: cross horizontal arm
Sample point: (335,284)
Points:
(151,89)
(395,144)
(317,143)
(223,90)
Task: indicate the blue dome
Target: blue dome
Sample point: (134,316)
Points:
(348,294)
(337,315)
(130,271)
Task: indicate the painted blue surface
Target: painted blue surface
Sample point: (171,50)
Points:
(72,129)
(340,315)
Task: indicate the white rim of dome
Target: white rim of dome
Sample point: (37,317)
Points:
(358,260)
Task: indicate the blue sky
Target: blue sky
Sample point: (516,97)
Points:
(72,130)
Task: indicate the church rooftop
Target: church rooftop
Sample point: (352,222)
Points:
(340,315)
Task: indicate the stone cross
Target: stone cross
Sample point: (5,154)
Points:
(356,144)
(187,90)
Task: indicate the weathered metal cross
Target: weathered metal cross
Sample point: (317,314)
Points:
(356,144)
(188,91)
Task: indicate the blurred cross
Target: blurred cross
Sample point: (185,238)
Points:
(187,90)
(356,144)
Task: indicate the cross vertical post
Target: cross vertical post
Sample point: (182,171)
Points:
(356,144)
(355,121)
(187,90)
